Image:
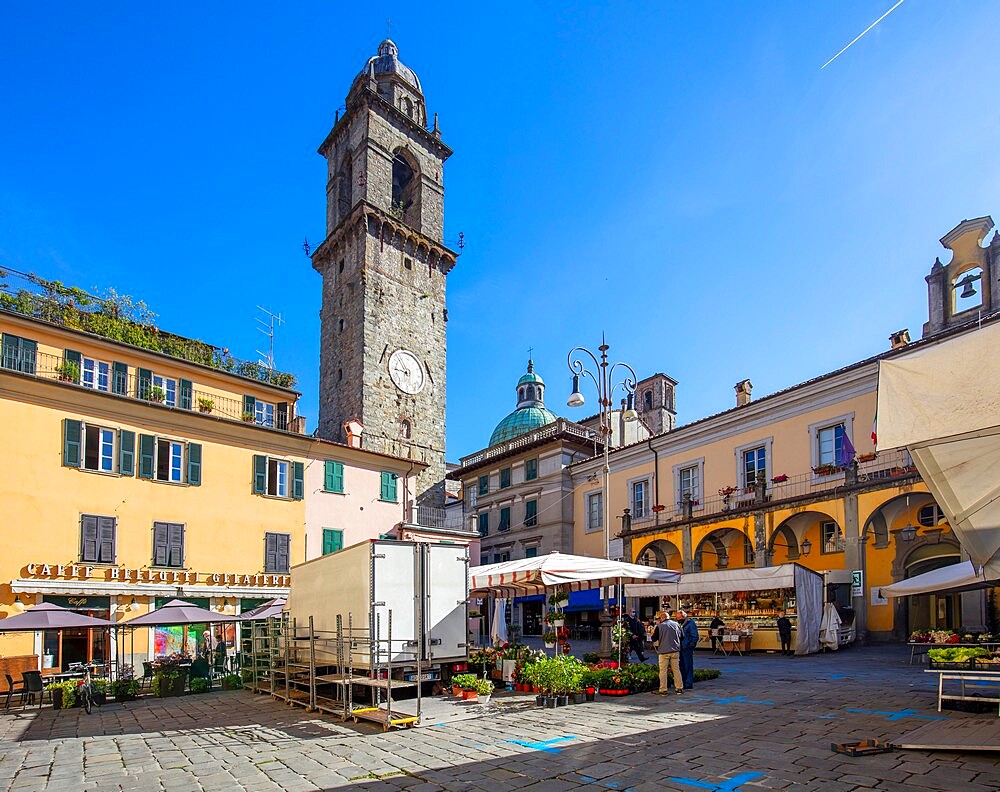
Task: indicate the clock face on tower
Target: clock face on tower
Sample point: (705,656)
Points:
(406,372)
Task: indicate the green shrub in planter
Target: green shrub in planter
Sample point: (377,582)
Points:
(465,681)
(704,674)
(231,682)
(125,689)
(591,658)
(63,693)
(199,685)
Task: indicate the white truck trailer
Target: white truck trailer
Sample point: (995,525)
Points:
(385,607)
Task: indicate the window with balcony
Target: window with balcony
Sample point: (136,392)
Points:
(263,413)
(95,374)
(530,469)
(504,477)
(530,513)
(833,540)
(277,553)
(504,524)
(830,444)
(18,354)
(595,511)
(689,484)
(640,499)
(754,466)
(97,539)
(168,545)
(484,523)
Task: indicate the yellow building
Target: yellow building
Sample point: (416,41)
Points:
(132,476)
(765,483)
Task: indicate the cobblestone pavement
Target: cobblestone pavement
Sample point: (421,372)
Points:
(767,723)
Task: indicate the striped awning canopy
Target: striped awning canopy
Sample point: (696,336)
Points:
(567,572)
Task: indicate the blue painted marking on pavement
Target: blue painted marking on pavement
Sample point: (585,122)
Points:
(895,716)
(730,785)
(838,676)
(544,745)
(731,700)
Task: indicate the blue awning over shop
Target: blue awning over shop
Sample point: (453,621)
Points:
(587,600)
(531,598)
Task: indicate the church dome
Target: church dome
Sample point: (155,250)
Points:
(531,412)
(387,62)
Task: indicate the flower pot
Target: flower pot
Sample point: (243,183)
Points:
(605,692)
(591,694)
(562,701)
(456,691)
(484,699)
(540,700)
(57,697)
(468,695)
(549,702)
(578,698)
(550,644)
(558,622)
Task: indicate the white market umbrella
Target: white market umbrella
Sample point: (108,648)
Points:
(942,401)
(954,577)
(570,572)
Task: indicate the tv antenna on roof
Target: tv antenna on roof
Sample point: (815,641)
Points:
(267,327)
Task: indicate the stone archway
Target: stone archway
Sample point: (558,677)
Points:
(661,553)
(723,548)
(925,611)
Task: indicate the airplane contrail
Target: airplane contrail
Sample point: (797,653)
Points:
(860,35)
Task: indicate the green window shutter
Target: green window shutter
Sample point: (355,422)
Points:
(72,431)
(531,470)
(88,538)
(249,404)
(504,477)
(74,357)
(388,486)
(531,512)
(194,464)
(146,445)
(484,485)
(259,474)
(126,452)
(119,378)
(160,544)
(106,540)
(270,552)
(333,478)
(333,540)
(175,545)
(298,480)
(484,524)
(186,390)
(144,384)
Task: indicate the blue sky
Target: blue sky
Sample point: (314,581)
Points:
(681,176)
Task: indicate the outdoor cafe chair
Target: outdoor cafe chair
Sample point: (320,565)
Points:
(147,673)
(12,688)
(32,685)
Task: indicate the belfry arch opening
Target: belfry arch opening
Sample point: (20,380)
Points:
(405,188)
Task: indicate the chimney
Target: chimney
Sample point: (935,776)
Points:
(354,429)
(743,388)
(900,338)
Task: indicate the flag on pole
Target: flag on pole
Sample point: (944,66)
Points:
(875,428)
(846,452)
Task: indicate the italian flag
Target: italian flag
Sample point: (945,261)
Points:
(875,428)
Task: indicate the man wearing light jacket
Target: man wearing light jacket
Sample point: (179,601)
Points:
(667,642)
(689,640)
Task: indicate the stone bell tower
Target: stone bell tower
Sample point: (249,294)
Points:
(384,266)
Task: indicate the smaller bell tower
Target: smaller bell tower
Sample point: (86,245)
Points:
(969,284)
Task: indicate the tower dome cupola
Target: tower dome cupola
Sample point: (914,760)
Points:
(394,81)
(530,413)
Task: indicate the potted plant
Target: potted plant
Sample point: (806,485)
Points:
(231,682)
(780,479)
(199,685)
(99,691)
(157,394)
(63,693)
(484,689)
(868,456)
(68,371)
(248,417)
(555,618)
(125,688)
(205,404)
(826,469)
(549,639)
(463,685)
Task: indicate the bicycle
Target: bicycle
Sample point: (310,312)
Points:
(84,691)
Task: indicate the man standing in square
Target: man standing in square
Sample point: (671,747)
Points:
(667,640)
(689,640)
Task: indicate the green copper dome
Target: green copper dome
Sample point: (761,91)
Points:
(530,413)
(521,421)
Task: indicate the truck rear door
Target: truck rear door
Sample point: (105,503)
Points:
(394,587)
(445,593)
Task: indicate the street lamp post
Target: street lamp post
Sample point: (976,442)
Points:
(603,376)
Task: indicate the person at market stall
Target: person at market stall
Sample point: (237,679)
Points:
(785,633)
(667,642)
(638,632)
(689,640)
(715,625)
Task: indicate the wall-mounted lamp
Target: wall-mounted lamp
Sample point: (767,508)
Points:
(17,602)
(909,531)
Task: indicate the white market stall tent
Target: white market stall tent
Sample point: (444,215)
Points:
(808,586)
(953,578)
(942,402)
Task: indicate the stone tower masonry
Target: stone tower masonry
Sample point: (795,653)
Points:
(384,265)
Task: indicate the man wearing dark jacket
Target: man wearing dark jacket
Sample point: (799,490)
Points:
(689,641)
(785,633)
(634,626)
